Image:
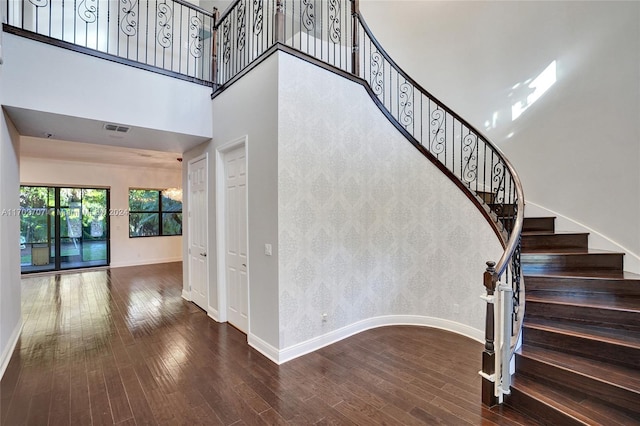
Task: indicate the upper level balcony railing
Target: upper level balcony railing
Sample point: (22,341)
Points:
(171,37)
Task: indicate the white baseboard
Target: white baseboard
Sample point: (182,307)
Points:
(596,239)
(287,354)
(186,295)
(11,345)
(264,348)
(145,262)
(213,314)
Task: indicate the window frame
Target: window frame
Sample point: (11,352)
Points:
(160,212)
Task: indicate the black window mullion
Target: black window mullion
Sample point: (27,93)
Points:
(160,231)
(159,212)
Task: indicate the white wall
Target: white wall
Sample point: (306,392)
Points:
(50,79)
(10,303)
(125,251)
(249,108)
(363,227)
(368,227)
(577,148)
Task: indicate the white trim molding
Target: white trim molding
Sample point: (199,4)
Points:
(264,348)
(11,346)
(213,314)
(596,239)
(287,354)
(221,225)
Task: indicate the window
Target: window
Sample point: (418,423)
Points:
(154,213)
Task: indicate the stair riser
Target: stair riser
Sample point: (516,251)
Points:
(562,262)
(598,317)
(539,224)
(573,382)
(555,241)
(538,410)
(620,288)
(594,349)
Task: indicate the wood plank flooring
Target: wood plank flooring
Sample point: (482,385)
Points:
(122,347)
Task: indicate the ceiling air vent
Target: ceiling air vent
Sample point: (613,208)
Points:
(116,128)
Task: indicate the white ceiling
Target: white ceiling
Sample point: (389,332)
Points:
(93,153)
(81,139)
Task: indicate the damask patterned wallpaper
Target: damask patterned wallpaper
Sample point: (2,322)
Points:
(368,227)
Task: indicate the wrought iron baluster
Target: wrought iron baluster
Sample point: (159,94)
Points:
(453,149)
(476,166)
(406,105)
(50,8)
(241,32)
(439,134)
(128,23)
(138,35)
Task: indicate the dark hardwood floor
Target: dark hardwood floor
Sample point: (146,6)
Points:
(122,347)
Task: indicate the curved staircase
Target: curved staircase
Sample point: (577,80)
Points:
(580,358)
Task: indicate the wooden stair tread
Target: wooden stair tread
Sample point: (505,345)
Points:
(594,275)
(537,233)
(608,282)
(597,301)
(574,408)
(570,259)
(549,233)
(626,338)
(623,377)
(569,252)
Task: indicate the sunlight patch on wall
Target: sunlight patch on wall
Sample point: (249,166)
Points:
(538,87)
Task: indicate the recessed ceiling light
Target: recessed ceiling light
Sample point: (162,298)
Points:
(48,135)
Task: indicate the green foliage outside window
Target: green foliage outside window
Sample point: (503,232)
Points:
(154,213)
(37,204)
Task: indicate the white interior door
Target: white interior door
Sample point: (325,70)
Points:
(236,238)
(198,213)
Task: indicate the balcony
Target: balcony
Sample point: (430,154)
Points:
(170,37)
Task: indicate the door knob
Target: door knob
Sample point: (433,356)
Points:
(203,254)
(244,264)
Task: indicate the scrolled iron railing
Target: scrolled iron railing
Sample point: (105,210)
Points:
(249,28)
(172,37)
(333,34)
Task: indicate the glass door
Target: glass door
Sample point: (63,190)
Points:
(37,228)
(63,228)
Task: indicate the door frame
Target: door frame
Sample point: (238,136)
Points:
(221,227)
(190,163)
